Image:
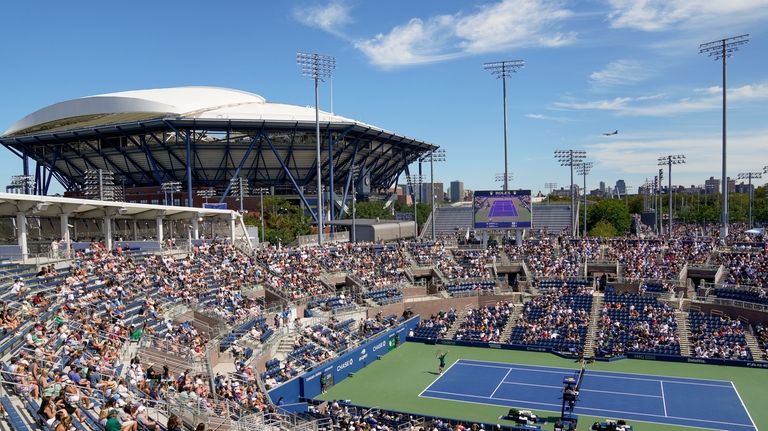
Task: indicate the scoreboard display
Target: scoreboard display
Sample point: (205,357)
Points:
(496,209)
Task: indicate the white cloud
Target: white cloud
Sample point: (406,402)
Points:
(620,72)
(658,15)
(547,118)
(707,99)
(639,156)
(491,28)
(331,17)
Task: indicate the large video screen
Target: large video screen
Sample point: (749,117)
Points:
(496,209)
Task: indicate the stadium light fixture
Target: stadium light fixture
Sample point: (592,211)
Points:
(749,176)
(240,187)
(503,70)
(676,159)
(504,178)
(415,181)
(206,193)
(318,67)
(721,50)
(20,184)
(583,169)
(437,155)
(571,158)
(170,187)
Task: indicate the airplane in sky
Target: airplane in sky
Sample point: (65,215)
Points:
(615,132)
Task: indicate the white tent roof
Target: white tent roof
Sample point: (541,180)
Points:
(177,102)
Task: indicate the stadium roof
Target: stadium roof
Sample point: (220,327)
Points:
(213,103)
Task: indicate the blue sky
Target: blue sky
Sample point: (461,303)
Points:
(416,68)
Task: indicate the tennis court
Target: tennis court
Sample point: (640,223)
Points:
(503,208)
(708,404)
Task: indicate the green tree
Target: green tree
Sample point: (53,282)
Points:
(603,229)
(283,220)
(613,211)
(372,209)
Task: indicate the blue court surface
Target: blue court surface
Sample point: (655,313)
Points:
(503,209)
(709,404)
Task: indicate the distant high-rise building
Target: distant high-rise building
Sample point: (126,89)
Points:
(621,187)
(427,190)
(457,191)
(602,187)
(712,186)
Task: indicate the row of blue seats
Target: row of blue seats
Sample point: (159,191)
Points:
(744,295)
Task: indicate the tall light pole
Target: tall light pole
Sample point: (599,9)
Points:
(503,70)
(550,187)
(660,204)
(317,67)
(261,191)
(354,171)
(239,186)
(571,158)
(415,181)
(749,176)
(721,50)
(170,187)
(676,159)
(437,155)
(583,169)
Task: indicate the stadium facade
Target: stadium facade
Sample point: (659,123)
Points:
(203,137)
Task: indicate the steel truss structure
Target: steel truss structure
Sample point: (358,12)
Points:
(208,153)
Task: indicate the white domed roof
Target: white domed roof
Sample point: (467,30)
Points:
(177,102)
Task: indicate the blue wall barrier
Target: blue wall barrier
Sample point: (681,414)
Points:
(307,385)
(631,355)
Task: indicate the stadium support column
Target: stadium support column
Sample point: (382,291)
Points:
(188,142)
(159,224)
(21,233)
(195,227)
(108,232)
(64,226)
(135,230)
(232,218)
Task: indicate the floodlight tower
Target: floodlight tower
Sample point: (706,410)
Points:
(317,67)
(170,187)
(437,155)
(721,50)
(262,191)
(676,159)
(206,193)
(583,169)
(550,187)
(240,187)
(749,176)
(571,158)
(503,70)
(415,181)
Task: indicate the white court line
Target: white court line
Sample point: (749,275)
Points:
(663,400)
(744,405)
(584,390)
(438,377)
(500,383)
(592,374)
(598,372)
(621,412)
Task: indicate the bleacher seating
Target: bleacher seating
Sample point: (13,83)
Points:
(551,218)
(718,337)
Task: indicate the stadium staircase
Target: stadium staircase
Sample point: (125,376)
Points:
(449,219)
(683,332)
(514,316)
(457,323)
(754,346)
(594,317)
(554,218)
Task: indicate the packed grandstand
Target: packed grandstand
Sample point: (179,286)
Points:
(207,336)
